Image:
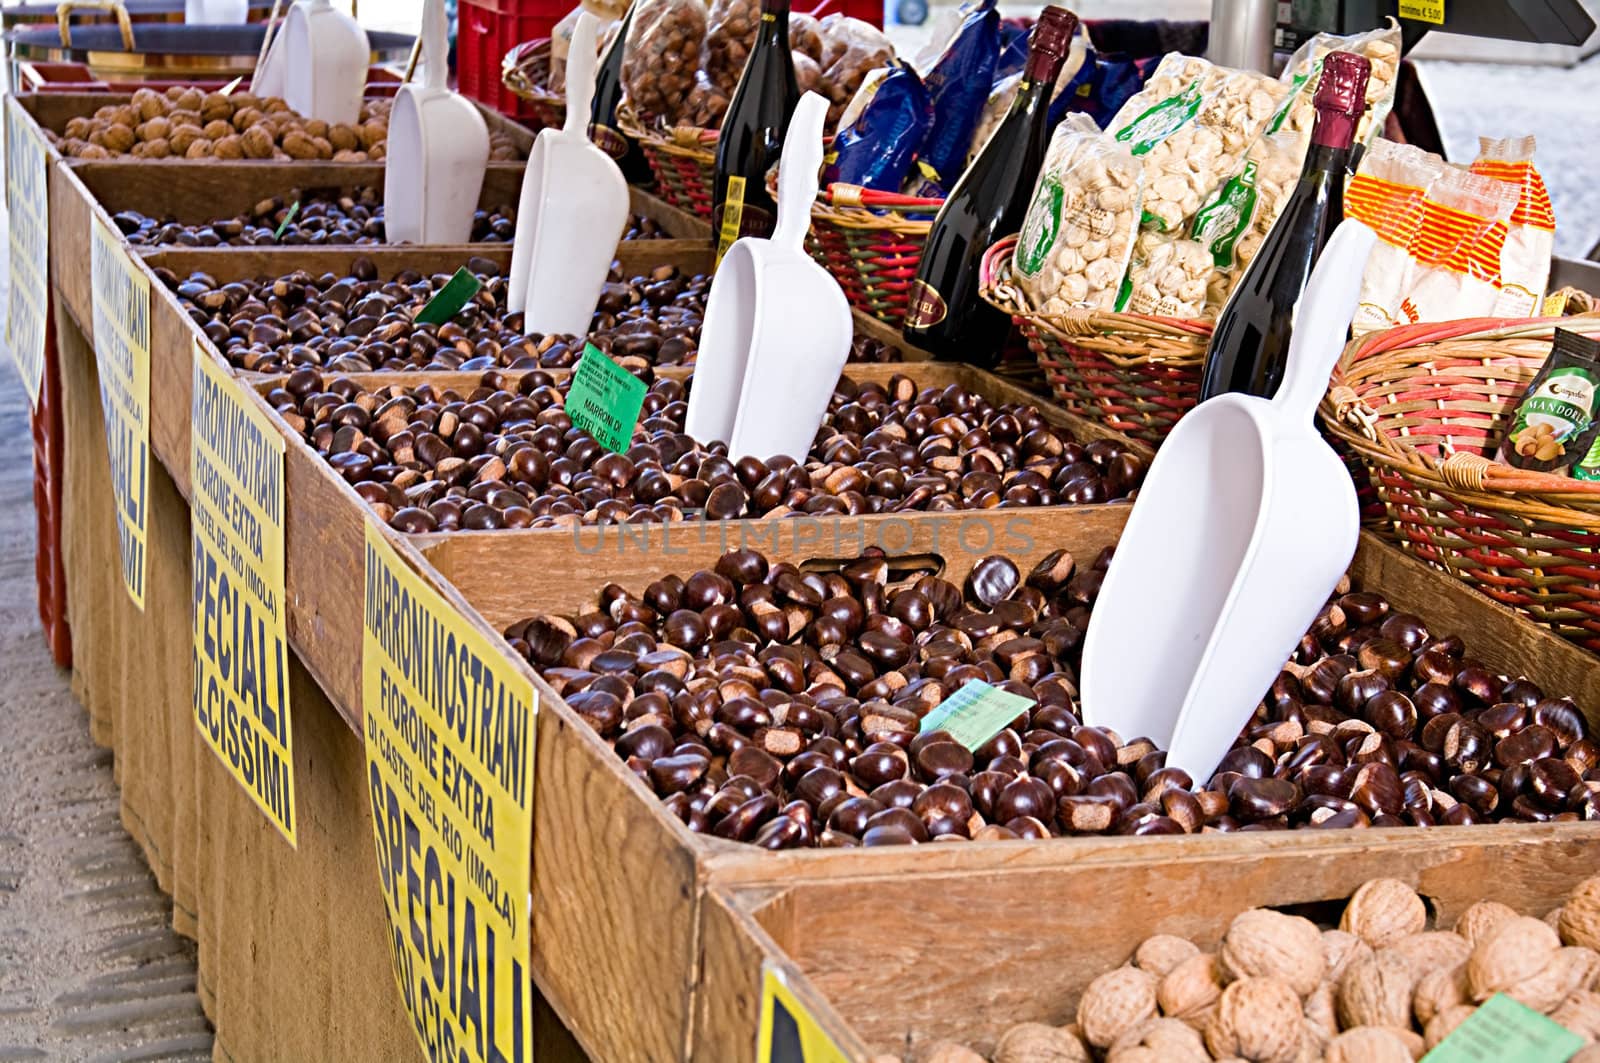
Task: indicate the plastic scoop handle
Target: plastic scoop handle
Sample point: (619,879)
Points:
(434,57)
(581,62)
(797,173)
(1321,320)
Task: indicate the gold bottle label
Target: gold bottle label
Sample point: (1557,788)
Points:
(925,307)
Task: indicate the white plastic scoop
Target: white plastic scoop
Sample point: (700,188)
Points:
(324,56)
(267,78)
(572,212)
(777,326)
(438,151)
(216,12)
(1243,526)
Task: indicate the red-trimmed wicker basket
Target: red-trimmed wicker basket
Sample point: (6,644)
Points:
(526,72)
(1136,373)
(871,241)
(1422,407)
(683,158)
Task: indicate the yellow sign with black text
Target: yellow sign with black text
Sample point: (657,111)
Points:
(449,728)
(1423,10)
(28,208)
(122,354)
(241,641)
(788,1033)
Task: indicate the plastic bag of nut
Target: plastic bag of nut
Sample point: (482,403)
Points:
(561,43)
(706,104)
(1079,229)
(1169,277)
(661,56)
(1301,73)
(730,34)
(805,35)
(851,49)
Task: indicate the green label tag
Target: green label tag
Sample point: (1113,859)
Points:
(1221,222)
(294,208)
(1589,467)
(451,298)
(1503,1031)
(605,399)
(975,713)
(1040,227)
(1162,120)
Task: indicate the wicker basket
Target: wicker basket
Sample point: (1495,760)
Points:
(526,72)
(871,242)
(1421,406)
(683,158)
(1136,373)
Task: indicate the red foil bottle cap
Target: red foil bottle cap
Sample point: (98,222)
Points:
(1047,47)
(1343,87)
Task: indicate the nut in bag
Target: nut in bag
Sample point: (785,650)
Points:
(662,55)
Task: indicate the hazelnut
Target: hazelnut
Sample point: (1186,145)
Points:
(1262,943)
(1340,947)
(1115,1002)
(1257,1019)
(1376,991)
(1439,990)
(1034,1042)
(1367,1044)
(1190,990)
(1479,920)
(1515,952)
(1158,1041)
(1383,911)
(1161,953)
(1444,1024)
(948,1052)
(1580,916)
(1580,1013)
(1432,949)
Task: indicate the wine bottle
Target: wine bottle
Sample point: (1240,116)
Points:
(752,133)
(944,313)
(603,129)
(1250,344)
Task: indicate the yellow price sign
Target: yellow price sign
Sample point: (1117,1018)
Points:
(241,642)
(788,1033)
(121,296)
(1423,10)
(28,206)
(449,730)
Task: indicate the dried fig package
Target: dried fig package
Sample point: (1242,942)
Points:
(1555,422)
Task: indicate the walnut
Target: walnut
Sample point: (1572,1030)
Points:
(228,147)
(1568,970)
(216,107)
(1114,1002)
(1190,990)
(216,130)
(1340,947)
(1516,951)
(276,105)
(148,103)
(1432,949)
(1439,989)
(1383,911)
(1376,991)
(154,129)
(173,92)
(378,151)
(1367,1044)
(373,133)
(1159,1041)
(126,114)
(182,118)
(324,148)
(344,137)
(1580,916)
(1552,918)
(246,99)
(118,138)
(1481,918)
(948,1052)
(1587,1054)
(1580,1013)
(157,148)
(1262,943)
(1160,954)
(199,149)
(1321,1013)
(299,146)
(1034,1042)
(316,127)
(245,117)
(95,151)
(1444,1024)
(77,128)
(1257,1019)
(257,144)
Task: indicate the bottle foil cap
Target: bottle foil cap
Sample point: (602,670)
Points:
(1343,87)
(1052,33)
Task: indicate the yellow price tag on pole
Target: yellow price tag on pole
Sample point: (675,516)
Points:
(449,727)
(1423,10)
(241,641)
(121,297)
(788,1033)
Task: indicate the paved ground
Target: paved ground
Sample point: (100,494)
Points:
(89,967)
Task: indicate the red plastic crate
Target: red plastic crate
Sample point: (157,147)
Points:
(486,31)
(47,473)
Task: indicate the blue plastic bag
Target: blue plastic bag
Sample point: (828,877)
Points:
(877,149)
(959,85)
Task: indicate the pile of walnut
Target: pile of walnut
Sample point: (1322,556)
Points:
(1380,989)
(186,123)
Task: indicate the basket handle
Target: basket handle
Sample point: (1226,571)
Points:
(111,7)
(1425,332)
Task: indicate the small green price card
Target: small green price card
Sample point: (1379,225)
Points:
(1503,1031)
(605,399)
(283,226)
(449,300)
(976,713)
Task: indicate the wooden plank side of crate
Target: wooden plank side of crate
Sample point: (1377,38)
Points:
(906,958)
(616,889)
(72,213)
